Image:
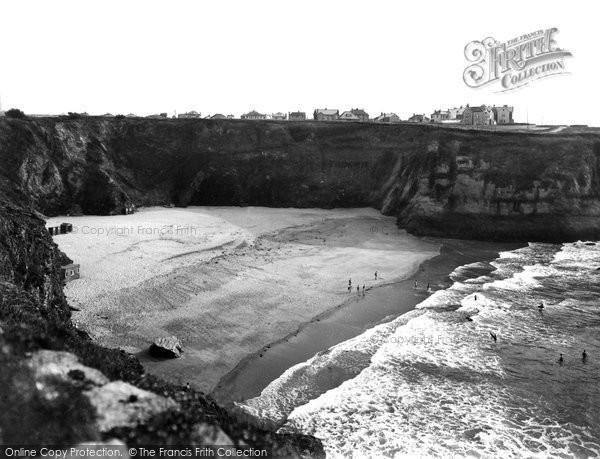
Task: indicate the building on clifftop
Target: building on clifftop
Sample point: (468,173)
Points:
(297,116)
(254,115)
(326,114)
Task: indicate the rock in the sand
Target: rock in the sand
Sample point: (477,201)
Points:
(169,347)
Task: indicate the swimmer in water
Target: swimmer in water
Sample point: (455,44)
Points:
(541,308)
(494,337)
(560,359)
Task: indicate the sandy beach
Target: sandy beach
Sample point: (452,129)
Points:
(320,357)
(226,281)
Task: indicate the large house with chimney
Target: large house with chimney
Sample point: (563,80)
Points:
(326,114)
(254,115)
(503,115)
(297,116)
(439,116)
(418,118)
(387,118)
(478,116)
(348,116)
(456,113)
(360,114)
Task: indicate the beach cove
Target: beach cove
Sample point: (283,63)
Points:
(227,281)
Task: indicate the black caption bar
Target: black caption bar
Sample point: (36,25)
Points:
(120,450)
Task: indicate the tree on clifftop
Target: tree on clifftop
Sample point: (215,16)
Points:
(15,113)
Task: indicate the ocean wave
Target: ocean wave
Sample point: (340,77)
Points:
(473,370)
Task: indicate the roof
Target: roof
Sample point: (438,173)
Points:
(359,111)
(327,111)
(254,113)
(70,265)
(349,115)
(483,108)
(218,115)
(278,114)
(297,114)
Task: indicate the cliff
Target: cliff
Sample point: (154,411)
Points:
(62,387)
(437,181)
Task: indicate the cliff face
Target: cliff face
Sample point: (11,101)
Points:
(436,181)
(503,186)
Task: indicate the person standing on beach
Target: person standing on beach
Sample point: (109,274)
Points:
(375,275)
(584,356)
(350,282)
(363,289)
(416,285)
(358,289)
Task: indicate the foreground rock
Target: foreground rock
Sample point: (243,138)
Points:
(117,404)
(169,347)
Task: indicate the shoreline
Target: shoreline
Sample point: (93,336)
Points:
(381,304)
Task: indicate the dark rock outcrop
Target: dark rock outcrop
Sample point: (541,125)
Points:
(166,348)
(437,181)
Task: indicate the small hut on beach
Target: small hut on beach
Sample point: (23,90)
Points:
(69,272)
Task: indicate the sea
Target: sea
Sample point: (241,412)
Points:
(492,366)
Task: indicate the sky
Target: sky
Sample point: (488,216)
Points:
(233,56)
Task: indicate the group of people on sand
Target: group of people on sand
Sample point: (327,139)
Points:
(416,285)
(358,286)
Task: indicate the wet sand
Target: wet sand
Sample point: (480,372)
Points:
(356,315)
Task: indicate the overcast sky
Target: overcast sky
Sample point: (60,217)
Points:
(233,56)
